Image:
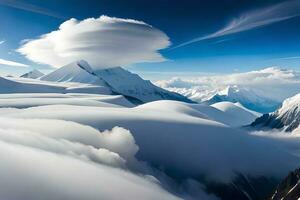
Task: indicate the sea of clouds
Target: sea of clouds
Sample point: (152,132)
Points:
(272,83)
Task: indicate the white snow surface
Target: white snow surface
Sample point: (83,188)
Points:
(25,100)
(25,85)
(238,114)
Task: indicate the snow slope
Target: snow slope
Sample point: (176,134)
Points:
(286,118)
(225,112)
(33,74)
(75,72)
(236,112)
(117,80)
(11,85)
(23,100)
(17,85)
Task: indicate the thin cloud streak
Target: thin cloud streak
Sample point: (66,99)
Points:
(11,63)
(2,41)
(254,19)
(30,7)
(289,58)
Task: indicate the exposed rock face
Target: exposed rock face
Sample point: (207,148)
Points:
(289,188)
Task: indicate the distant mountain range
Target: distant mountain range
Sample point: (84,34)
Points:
(247,97)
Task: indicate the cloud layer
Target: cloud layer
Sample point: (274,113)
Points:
(103,42)
(273,83)
(11,63)
(254,19)
(69,161)
(172,137)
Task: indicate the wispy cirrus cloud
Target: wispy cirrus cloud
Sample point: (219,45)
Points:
(2,41)
(30,7)
(12,63)
(254,19)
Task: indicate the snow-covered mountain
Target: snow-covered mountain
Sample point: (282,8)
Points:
(247,97)
(286,118)
(237,113)
(33,74)
(117,80)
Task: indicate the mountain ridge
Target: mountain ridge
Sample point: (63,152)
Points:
(34,74)
(236,94)
(117,80)
(286,118)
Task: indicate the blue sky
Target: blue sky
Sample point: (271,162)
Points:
(268,35)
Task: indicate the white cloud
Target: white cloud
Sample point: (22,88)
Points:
(113,147)
(254,19)
(175,141)
(273,83)
(11,63)
(2,41)
(29,173)
(103,42)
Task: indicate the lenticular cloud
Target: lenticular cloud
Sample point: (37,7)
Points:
(104,42)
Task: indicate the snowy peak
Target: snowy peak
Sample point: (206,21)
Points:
(130,84)
(78,71)
(117,80)
(290,104)
(287,117)
(85,66)
(34,74)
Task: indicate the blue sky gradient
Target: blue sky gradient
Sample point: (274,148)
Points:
(275,44)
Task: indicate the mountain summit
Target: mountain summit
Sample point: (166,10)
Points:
(287,117)
(117,80)
(34,74)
